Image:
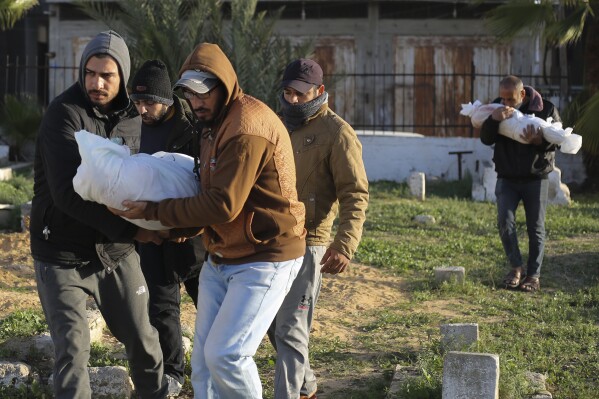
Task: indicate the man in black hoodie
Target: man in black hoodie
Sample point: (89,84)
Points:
(168,124)
(522,171)
(80,248)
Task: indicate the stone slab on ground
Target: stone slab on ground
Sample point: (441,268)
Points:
(96,325)
(459,335)
(14,374)
(451,274)
(538,384)
(107,382)
(416,183)
(470,376)
(400,376)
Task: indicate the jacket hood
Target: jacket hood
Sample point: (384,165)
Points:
(111,43)
(535,101)
(209,57)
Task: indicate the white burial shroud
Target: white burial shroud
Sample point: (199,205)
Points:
(109,174)
(512,127)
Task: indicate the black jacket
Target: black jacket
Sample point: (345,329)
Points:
(65,229)
(178,261)
(514,160)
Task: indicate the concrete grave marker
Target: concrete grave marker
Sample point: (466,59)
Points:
(470,376)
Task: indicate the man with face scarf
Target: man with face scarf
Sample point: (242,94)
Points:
(331,180)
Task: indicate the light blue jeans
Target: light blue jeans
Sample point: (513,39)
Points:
(236,305)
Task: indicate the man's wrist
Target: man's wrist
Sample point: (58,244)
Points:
(151,211)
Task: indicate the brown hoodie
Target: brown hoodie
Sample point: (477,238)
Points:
(248,204)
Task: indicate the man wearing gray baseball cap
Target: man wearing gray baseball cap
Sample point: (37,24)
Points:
(252,222)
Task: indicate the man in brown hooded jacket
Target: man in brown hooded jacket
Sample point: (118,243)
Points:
(252,221)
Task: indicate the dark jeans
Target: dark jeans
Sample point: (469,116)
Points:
(165,307)
(123,301)
(534,198)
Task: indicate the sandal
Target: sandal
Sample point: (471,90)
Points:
(530,284)
(513,278)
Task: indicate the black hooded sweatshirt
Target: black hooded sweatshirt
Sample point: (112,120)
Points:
(65,229)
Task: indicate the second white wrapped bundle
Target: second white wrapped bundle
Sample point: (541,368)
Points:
(513,127)
(109,174)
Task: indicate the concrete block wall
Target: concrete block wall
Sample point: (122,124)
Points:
(395,156)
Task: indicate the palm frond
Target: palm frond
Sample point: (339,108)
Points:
(588,125)
(169,30)
(570,29)
(13,10)
(519,16)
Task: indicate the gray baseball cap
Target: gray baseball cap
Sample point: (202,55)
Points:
(198,81)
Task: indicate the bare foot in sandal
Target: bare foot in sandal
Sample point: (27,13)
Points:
(530,284)
(513,278)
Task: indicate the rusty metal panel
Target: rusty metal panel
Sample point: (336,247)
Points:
(336,55)
(444,79)
(404,86)
(424,88)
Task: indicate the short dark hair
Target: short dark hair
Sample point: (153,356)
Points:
(512,81)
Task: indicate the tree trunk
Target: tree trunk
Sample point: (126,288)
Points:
(591,68)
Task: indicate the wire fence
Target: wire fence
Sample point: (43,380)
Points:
(373,103)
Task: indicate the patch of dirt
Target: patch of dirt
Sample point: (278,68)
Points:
(17,277)
(361,288)
(342,297)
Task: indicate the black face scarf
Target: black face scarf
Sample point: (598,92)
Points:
(295,115)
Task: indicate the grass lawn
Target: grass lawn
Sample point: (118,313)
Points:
(554,331)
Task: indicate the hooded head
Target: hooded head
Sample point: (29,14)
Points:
(112,44)
(208,60)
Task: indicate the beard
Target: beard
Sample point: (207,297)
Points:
(154,119)
(98,97)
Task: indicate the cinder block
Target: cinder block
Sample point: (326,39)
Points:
(470,376)
(458,336)
(452,274)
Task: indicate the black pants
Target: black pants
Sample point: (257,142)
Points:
(122,300)
(165,306)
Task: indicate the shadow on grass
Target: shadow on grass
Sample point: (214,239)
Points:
(571,272)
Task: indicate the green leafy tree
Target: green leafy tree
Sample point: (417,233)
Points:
(562,23)
(20,118)
(13,10)
(169,30)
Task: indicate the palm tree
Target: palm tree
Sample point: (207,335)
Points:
(13,10)
(20,118)
(169,30)
(560,24)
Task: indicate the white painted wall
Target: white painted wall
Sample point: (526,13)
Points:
(396,156)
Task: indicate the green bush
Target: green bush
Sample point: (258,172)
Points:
(16,191)
(20,118)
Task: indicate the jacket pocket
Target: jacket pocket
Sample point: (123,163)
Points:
(261,227)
